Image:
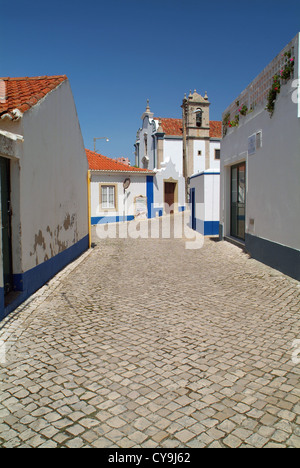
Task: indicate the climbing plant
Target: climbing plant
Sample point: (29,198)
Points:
(286,73)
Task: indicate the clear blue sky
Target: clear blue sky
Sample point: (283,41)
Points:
(119,53)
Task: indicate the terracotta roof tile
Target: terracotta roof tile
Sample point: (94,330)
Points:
(174,127)
(98,162)
(171,126)
(215,130)
(23,93)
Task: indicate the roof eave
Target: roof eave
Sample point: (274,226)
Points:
(123,172)
(14,115)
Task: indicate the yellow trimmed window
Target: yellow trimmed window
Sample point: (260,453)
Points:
(108,197)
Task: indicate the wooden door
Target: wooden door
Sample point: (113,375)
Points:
(170,196)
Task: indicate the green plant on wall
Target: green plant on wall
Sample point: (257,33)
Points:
(243,110)
(288,69)
(226,120)
(235,122)
(286,73)
(272,95)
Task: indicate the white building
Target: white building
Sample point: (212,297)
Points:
(260,165)
(118,192)
(176,149)
(43,185)
(158,147)
(205,202)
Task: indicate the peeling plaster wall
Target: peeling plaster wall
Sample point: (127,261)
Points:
(53,179)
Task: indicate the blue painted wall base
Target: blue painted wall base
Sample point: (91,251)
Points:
(110,219)
(206,228)
(280,257)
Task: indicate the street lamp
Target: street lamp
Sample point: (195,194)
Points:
(100,138)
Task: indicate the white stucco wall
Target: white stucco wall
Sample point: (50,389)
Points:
(214,163)
(199,160)
(138,187)
(173,151)
(53,179)
(207,195)
(146,133)
(272,173)
(168,172)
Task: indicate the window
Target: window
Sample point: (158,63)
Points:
(199,153)
(254,142)
(258,140)
(108,197)
(217,153)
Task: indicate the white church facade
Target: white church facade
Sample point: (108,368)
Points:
(178,150)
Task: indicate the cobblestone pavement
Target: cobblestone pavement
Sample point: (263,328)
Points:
(143,343)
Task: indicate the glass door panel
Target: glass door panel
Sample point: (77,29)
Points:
(238,201)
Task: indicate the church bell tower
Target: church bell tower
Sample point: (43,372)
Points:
(195,119)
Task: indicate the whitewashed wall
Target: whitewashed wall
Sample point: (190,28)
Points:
(137,187)
(199,161)
(272,173)
(53,178)
(214,163)
(146,131)
(173,151)
(165,173)
(207,201)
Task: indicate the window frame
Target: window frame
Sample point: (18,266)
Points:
(258,140)
(115,186)
(219,158)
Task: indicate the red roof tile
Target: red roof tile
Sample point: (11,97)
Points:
(23,93)
(215,130)
(98,162)
(174,127)
(171,126)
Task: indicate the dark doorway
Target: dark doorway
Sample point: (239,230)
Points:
(238,201)
(193,208)
(170,196)
(6,224)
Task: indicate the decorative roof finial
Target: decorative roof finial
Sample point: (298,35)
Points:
(159,128)
(147,108)
(206,97)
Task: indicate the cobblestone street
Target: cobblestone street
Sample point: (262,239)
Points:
(143,343)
